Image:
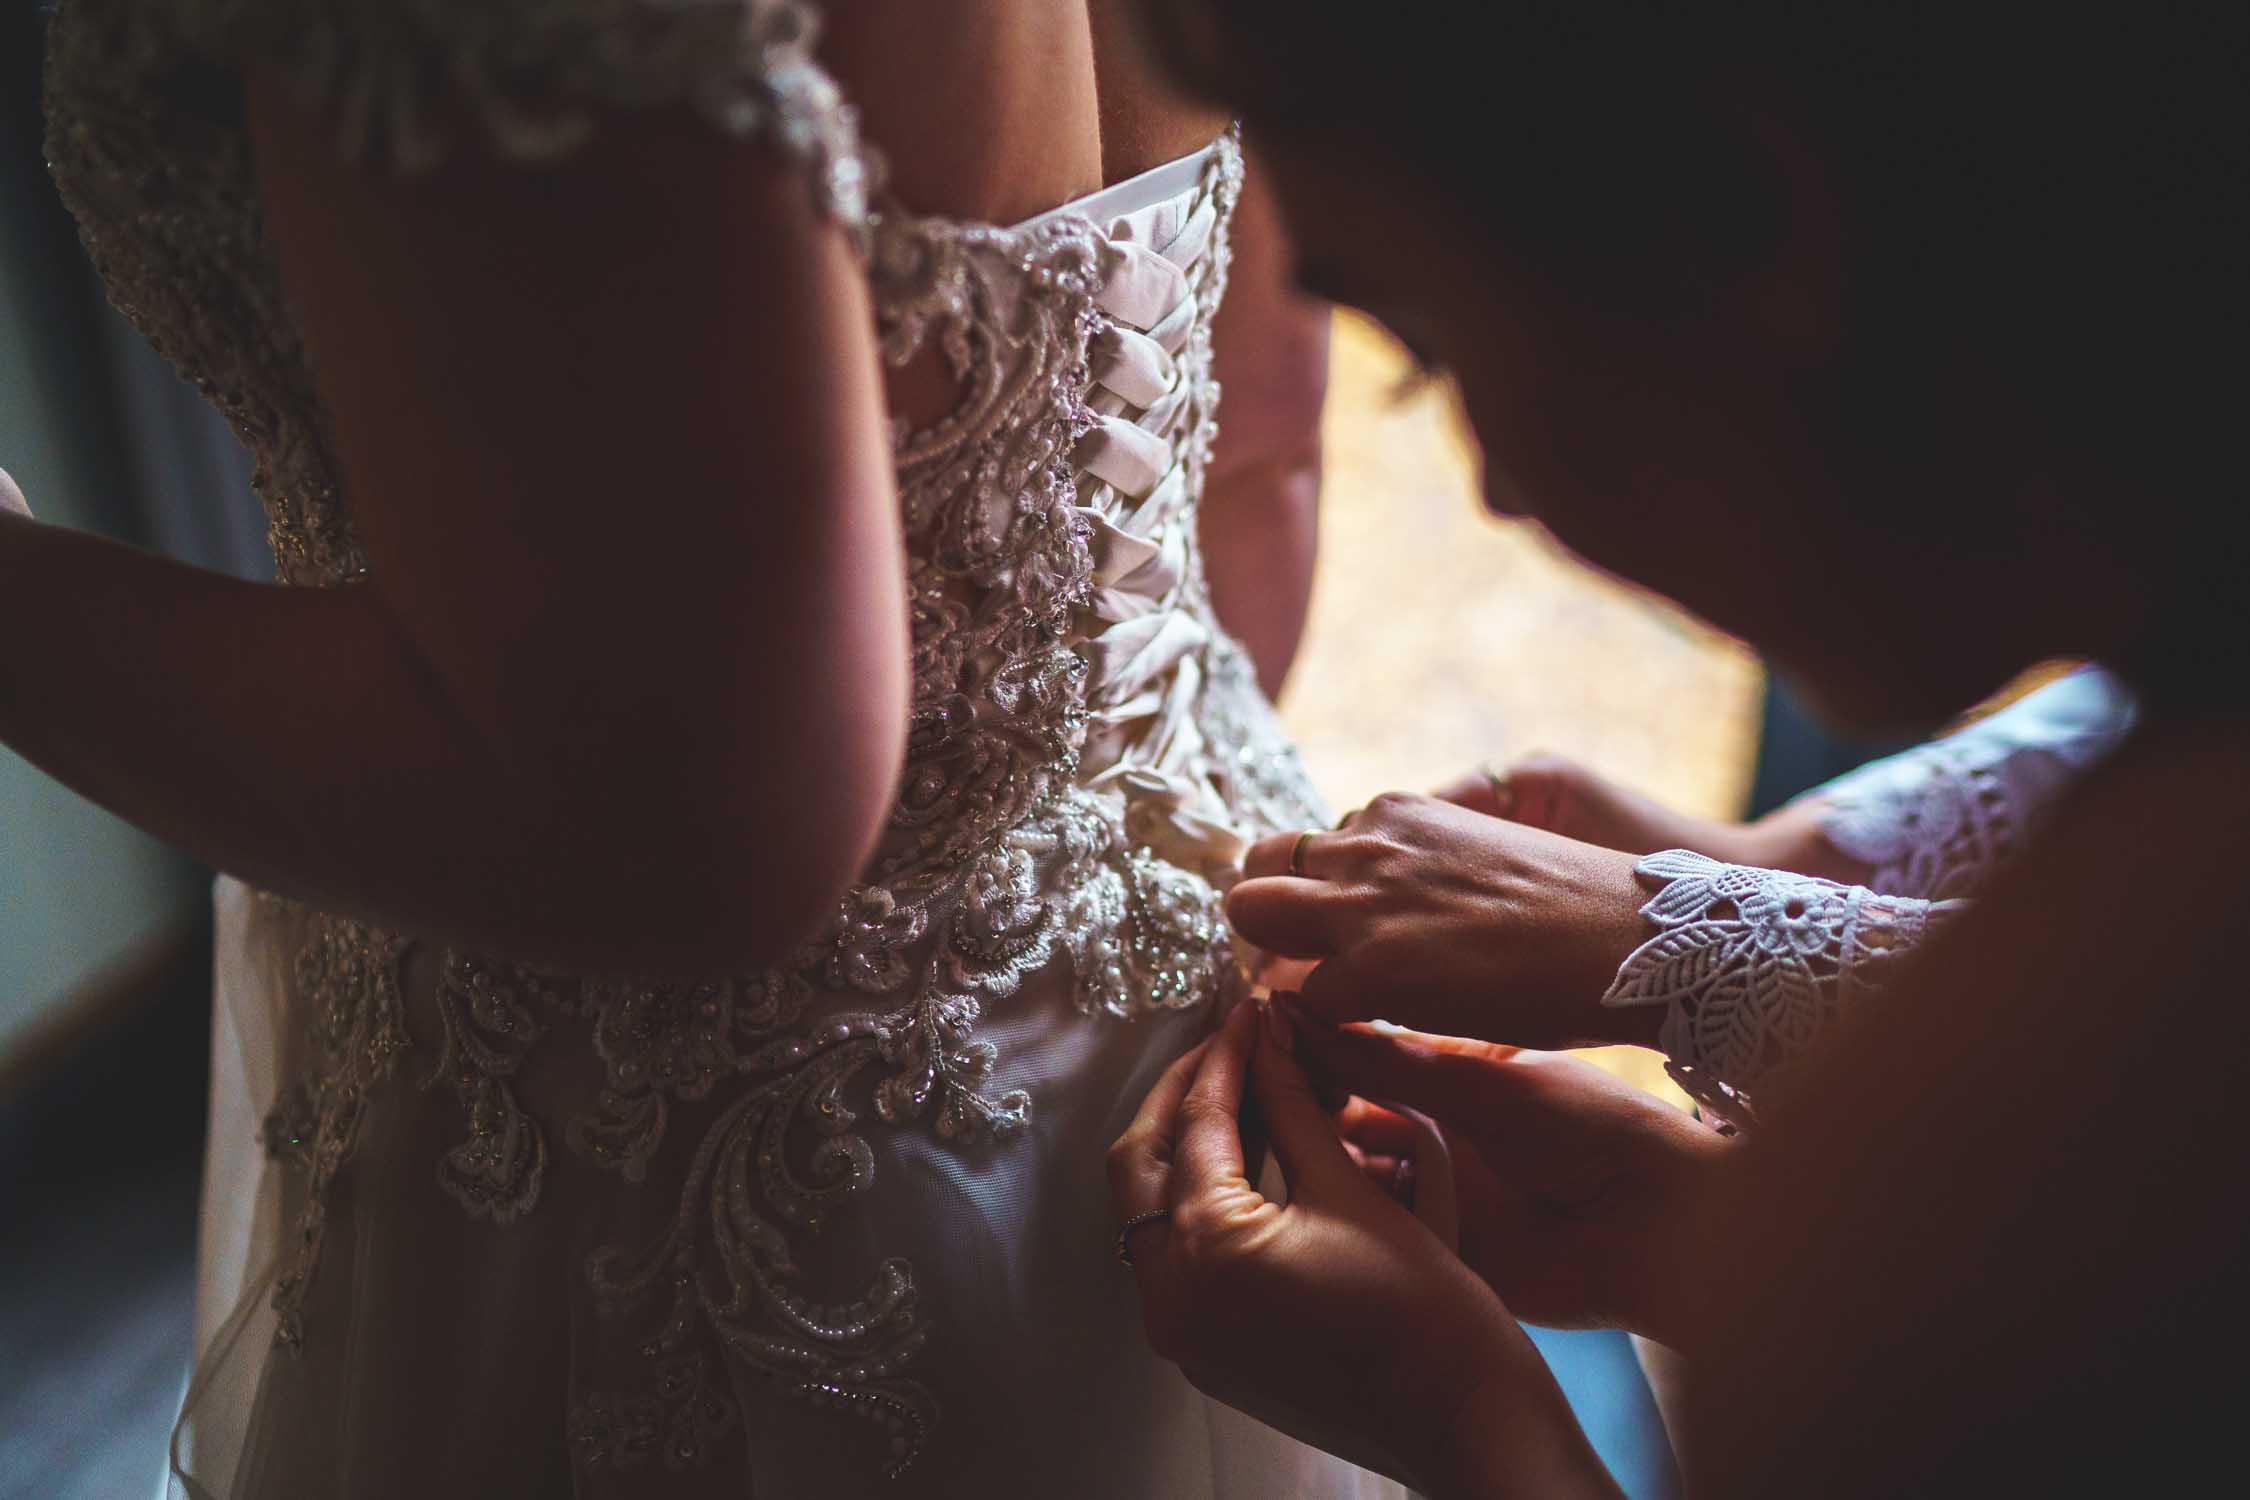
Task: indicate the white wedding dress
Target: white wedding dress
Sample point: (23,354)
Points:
(838,1229)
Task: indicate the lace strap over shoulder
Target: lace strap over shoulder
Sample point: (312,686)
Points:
(403,78)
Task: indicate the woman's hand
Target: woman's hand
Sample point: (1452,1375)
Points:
(12,502)
(1574,1187)
(1450,921)
(1562,796)
(1336,1316)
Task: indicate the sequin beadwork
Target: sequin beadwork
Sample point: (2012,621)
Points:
(1087,748)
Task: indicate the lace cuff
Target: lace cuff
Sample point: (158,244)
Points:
(1754,966)
(1934,820)
(400,78)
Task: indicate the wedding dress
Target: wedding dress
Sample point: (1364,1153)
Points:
(478,1227)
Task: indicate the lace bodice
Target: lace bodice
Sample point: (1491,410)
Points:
(1087,751)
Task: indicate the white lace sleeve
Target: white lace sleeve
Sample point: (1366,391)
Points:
(1934,820)
(404,79)
(1754,966)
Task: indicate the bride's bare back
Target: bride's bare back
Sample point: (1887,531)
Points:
(649,576)
(510,443)
(995,110)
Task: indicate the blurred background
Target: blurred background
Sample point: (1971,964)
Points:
(104,948)
(1440,639)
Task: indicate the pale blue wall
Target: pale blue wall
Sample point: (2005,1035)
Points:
(78,888)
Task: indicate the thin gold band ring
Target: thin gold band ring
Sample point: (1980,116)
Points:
(1124,1247)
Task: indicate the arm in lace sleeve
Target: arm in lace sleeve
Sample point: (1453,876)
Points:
(1934,820)
(405,82)
(1753,967)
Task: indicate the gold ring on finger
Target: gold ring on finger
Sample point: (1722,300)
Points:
(1297,853)
(1124,1247)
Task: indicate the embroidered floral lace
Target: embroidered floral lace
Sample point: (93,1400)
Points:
(1087,751)
(1754,966)
(1933,821)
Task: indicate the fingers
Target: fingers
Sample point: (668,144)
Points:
(1285,915)
(1483,790)
(1303,853)
(1269,856)
(1285,975)
(1376,1130)
(1313,1160)
(1457,1081)
(1207,1150)
(1381,1143)
(1391,1175)
(1140,1160)
(1333,994)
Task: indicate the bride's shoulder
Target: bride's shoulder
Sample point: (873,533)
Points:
(404,84)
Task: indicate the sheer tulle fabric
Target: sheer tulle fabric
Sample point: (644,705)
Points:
(867,1186)
(446,1354)
(447,1349)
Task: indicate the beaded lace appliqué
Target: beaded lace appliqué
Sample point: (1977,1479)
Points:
(1001,865)
(1753,966)
(400,78)
(998,863)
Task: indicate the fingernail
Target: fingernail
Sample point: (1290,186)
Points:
(1277,1024)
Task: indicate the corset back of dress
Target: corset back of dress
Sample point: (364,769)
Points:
(1087,756)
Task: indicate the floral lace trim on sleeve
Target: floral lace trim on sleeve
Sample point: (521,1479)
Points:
(1755,966)
(1933,821)
(399,78)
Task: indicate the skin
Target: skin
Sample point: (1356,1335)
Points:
(1572,1184)
(1421,912)
(1721,496)
(1443,914)
(1259,520)
(1564,797)
(1260,516)
(1999,1210)
(592,521)
(1405,1344)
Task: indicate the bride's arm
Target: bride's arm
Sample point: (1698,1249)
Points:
(1260,519)
(625,687)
